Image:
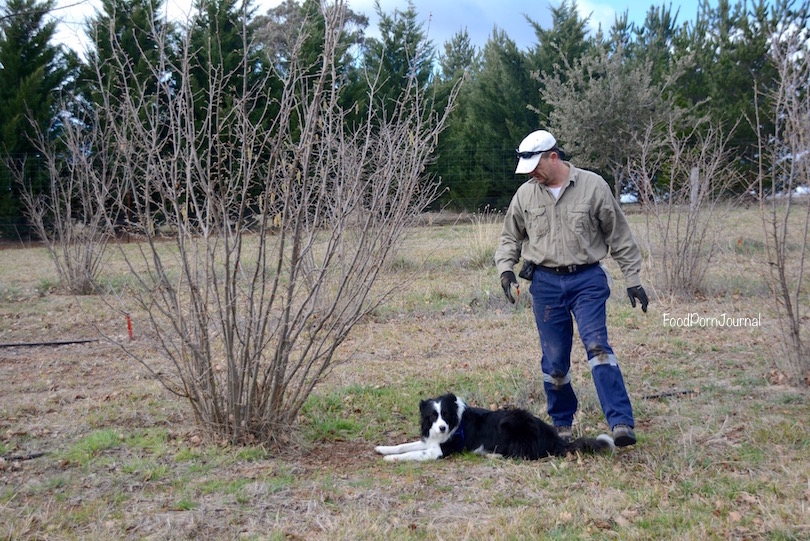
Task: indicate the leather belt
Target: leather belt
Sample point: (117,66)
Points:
(566,269)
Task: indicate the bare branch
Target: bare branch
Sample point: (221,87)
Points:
(281,217)
(784,169)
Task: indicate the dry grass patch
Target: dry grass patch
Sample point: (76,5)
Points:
(722,443)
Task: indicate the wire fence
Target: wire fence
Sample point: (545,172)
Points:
(470,180)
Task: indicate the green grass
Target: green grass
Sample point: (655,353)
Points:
(686,494)
(9,293)
(184,505)
(222,486)
(150,440)
(93,444)
(252,453)
(187,454)
(118,284)
(47,285)
(280,481)
(146,469)
(365,411)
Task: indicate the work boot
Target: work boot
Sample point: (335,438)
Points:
(623,435)
(566,433)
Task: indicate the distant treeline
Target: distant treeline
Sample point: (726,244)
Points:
(603,95)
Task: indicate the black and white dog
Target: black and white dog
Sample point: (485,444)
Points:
(451,426)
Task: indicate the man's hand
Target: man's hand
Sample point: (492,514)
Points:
(508,281)
(634,293)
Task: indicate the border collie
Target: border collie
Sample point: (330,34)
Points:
(450,426)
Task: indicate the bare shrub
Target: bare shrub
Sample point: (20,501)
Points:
(784,167)
(684,213)
(69,216)
(281,216)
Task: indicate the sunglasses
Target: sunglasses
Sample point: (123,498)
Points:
(529,154)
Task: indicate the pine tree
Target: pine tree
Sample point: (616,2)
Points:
(297,30)
(558,48)
(492,121)
(135,27)
(461,62)
(653,42)
(32,73)
(562,44)
(277,31)
(402,55)
(460,57)
(218,41)
(731,45)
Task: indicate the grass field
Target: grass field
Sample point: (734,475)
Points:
(723,440)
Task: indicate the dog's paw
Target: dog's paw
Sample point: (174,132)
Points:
(384,449)
(414,456)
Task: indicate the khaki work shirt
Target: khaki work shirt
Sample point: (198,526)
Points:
(578,228)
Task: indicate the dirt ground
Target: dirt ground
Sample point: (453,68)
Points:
(93,447)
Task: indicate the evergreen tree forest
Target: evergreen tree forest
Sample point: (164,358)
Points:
(598,92)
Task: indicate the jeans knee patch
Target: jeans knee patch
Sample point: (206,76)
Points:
(557,379)
(603,359)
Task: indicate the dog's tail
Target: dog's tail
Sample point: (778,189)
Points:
(601,444)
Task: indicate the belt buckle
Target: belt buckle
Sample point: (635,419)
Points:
(570,269)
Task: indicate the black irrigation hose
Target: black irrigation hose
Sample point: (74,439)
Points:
(19,458)
(52,343)
(669,394)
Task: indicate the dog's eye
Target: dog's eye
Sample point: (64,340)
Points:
(444,413)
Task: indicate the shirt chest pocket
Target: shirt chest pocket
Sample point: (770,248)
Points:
(537,222)
(579,220)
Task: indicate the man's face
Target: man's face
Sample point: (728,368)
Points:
(541,173)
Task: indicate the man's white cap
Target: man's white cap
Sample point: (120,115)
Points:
(538,141)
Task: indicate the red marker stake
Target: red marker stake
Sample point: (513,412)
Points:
(129,327)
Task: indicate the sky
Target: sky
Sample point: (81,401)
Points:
(441,18)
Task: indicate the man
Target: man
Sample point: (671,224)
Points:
(563,221)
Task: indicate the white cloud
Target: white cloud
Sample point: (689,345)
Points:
(597,14)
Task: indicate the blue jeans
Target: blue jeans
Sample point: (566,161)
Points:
(584,295)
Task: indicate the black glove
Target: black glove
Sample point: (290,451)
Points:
(507,279)
(637,292)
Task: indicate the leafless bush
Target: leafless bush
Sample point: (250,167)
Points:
(784,167)
(70,216)
(683,214)
(281,214)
